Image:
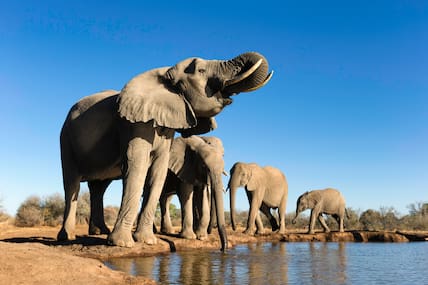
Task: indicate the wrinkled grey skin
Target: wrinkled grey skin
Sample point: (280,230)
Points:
(266,188)
(111,135)
(195,172)
(327,201)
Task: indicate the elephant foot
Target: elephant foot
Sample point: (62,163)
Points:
(63,235)
(98,230)
(188,234)
(121,238)
(249,232)
(201,235)
(281,230)
(311,232)
(147,237)
(260,232)
(166,230)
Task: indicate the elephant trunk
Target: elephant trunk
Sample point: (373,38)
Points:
(294,220)
(233,186)
(217,195)
(297,214)
(248,72)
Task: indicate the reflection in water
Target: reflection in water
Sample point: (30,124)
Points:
(286,263)
(331,270)
(246,264)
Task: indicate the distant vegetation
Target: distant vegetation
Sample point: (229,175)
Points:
(35,211)
(3,215)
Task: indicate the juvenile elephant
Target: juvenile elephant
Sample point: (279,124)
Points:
(327,201)
(112,135)
(266,188)
(195,171)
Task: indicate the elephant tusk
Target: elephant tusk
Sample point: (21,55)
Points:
(261,84)
(243,75)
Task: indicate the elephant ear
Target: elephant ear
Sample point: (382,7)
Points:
(185,162)
(147,97)
(255,180)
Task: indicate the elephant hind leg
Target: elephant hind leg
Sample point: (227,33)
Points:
(323,223)
(272,220)
(97,224)
(71,192)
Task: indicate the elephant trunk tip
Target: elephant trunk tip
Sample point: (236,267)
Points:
(294,221)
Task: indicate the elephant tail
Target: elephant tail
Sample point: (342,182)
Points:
(347,213)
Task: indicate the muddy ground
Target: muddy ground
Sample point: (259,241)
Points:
(33,256)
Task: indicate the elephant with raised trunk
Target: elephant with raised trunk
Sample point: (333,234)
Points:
(327,201)
(121,135)
(195,173)
(266,189)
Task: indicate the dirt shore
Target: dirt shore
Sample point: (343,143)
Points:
(33,256)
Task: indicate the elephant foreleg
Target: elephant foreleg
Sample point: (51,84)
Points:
(204,211)
(255,204)
(314,216)
(166,225)
(134,175)
(186,201)
(158,173)
(97,224)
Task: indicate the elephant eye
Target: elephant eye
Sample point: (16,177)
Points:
(201,70)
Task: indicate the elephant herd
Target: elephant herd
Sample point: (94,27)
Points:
(130,135)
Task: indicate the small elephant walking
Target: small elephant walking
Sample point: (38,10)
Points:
(266,188)
(327,201)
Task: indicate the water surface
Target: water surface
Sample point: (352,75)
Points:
(288,263)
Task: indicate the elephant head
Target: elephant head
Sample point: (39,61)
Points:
(304,202)
(242,175)
(188,94)
(199,161)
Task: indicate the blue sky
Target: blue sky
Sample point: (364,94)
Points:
(347,106)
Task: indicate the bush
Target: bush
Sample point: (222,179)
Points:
(370,220)
(4,217)
(53,210)
(110,215)
(83,208)
(30,213)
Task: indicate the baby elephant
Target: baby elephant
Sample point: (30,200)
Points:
(328,201)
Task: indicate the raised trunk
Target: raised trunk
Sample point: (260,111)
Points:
(217,195)
(240,65)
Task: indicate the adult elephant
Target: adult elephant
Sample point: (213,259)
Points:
(327,201)
(111,135)
(266,188)
(195,171)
